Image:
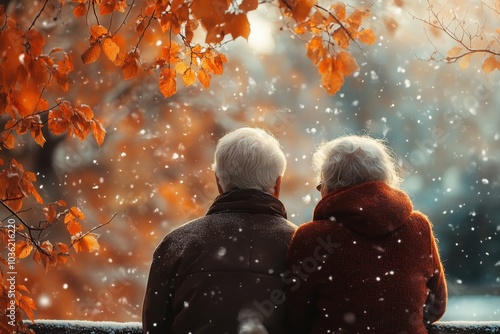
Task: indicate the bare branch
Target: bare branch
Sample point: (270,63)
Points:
(92,230)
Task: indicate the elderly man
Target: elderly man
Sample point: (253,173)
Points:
(221,273)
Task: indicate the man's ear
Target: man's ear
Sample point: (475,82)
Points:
(218,185)
(277,187)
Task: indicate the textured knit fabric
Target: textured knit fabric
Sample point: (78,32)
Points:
(367,263)
(222,271)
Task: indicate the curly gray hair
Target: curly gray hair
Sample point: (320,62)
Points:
(352,160)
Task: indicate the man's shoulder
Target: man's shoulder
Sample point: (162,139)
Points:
(190,227)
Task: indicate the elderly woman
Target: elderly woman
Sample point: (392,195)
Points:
(368,262)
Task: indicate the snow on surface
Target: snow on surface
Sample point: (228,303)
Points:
(85,327)
(108,327)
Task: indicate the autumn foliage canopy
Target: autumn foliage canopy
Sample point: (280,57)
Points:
(31,72)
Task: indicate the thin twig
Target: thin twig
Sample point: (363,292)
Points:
(125,19)
(38,15)
(92,230)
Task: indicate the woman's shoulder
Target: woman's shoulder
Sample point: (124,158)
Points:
(318,228)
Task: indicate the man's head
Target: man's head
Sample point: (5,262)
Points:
(351,160)
(249,158)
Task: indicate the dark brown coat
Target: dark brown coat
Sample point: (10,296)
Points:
(218,272)
(380,272)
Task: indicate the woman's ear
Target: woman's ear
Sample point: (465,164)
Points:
(277,187)
(218,185)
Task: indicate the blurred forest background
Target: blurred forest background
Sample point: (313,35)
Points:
(442,122)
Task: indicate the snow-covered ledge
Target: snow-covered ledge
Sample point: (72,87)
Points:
(108,327)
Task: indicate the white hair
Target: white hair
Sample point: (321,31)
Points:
(248,158)
(352,160)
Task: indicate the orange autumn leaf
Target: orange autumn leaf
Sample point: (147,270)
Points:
(21,287)
(88,243)
(58,122)
(339,11)
(204,78)
(315,49)
(7,140)
(367,36)
(23,249)
(346,63)
(36,42)
(25,101)
(341,37)
(27,305)
(62,258)
(50,210)
(37,134)
(130,65)
(47,247)
(326,64)
(189,77)
(489,64)
(168,86)
(238,25)
(181,67)
(80,10)
(63,247)
(356,18)
(75,212)
(96,31)
(110,48)
(37,257)
(107,7)
(42,105)
(98,131)
(73,227)
(91,54)
(301,9)
(454,52)
(332,81)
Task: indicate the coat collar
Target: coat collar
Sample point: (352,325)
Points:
(371,208)
(248,200)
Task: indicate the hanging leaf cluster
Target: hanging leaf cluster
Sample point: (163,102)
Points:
(329,33)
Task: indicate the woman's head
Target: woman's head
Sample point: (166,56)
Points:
(248,158)
(352,160)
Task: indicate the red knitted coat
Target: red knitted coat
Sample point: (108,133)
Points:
(367,263)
